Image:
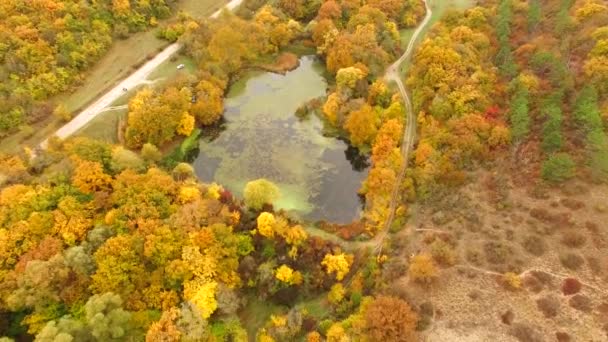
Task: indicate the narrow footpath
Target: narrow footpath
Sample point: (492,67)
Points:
(407,144)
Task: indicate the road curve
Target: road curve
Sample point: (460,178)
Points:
(138,77)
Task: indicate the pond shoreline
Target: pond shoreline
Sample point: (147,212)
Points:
(261,137)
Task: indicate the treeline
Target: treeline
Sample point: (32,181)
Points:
(220,48)
(100,244)
(557,65)
(97,243)
(454,83)
(46,45)
(356,41)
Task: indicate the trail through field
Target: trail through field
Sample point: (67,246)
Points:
(137,78)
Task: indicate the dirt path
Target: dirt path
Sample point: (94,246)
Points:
(138,77)
(407,144)
(392,74)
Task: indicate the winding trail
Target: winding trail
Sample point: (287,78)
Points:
(407,144)
(140,76)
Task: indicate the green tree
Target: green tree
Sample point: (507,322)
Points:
(519,113)
(260,192)
(534,14)
(558,168)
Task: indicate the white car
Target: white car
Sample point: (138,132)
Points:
(180,67)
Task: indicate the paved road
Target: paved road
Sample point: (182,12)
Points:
(138,77)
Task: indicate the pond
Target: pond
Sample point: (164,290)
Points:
(261,137)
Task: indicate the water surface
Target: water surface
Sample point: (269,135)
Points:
(262,138)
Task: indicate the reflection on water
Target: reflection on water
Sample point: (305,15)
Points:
(261,138)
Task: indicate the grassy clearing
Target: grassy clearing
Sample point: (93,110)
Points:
(104,126)
(256,313)
(29,136)
(316,307)
(124,57)
(201,8)
(168,68)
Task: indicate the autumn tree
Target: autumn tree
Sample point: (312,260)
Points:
(260,192)
(89,176)
(154,118)
(390,319)
(361,125)
(209,104)
(338,264)
(422,268)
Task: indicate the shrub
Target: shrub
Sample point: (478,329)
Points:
(443,252)
(581,303)
(260,192)
(390,319)
(534,245)
(558,168)
(512,281)
(571,261)
(496,252)
(562,336)
(571,286)
(422,269)
(573,239)
(150,153)
(549,306)
(525,333)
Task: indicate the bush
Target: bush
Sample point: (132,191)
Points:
(259,192)
(534,245)
(581,303)
(150,153)
(573,239)
(571,286)
(558,168)
(390,319)
(549,306)
(571,261)
(496,252)
(422,269)
(526,333)
(512,281)
(443,252)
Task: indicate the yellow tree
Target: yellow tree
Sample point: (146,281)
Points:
(266,222)
(288,276)
(89,177)
(209,104)
(202,295)
(361,125)
(338,264)
(186,124)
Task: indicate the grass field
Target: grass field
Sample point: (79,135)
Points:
(104,126)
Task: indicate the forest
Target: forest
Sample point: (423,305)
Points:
(487,223)
(47,45)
